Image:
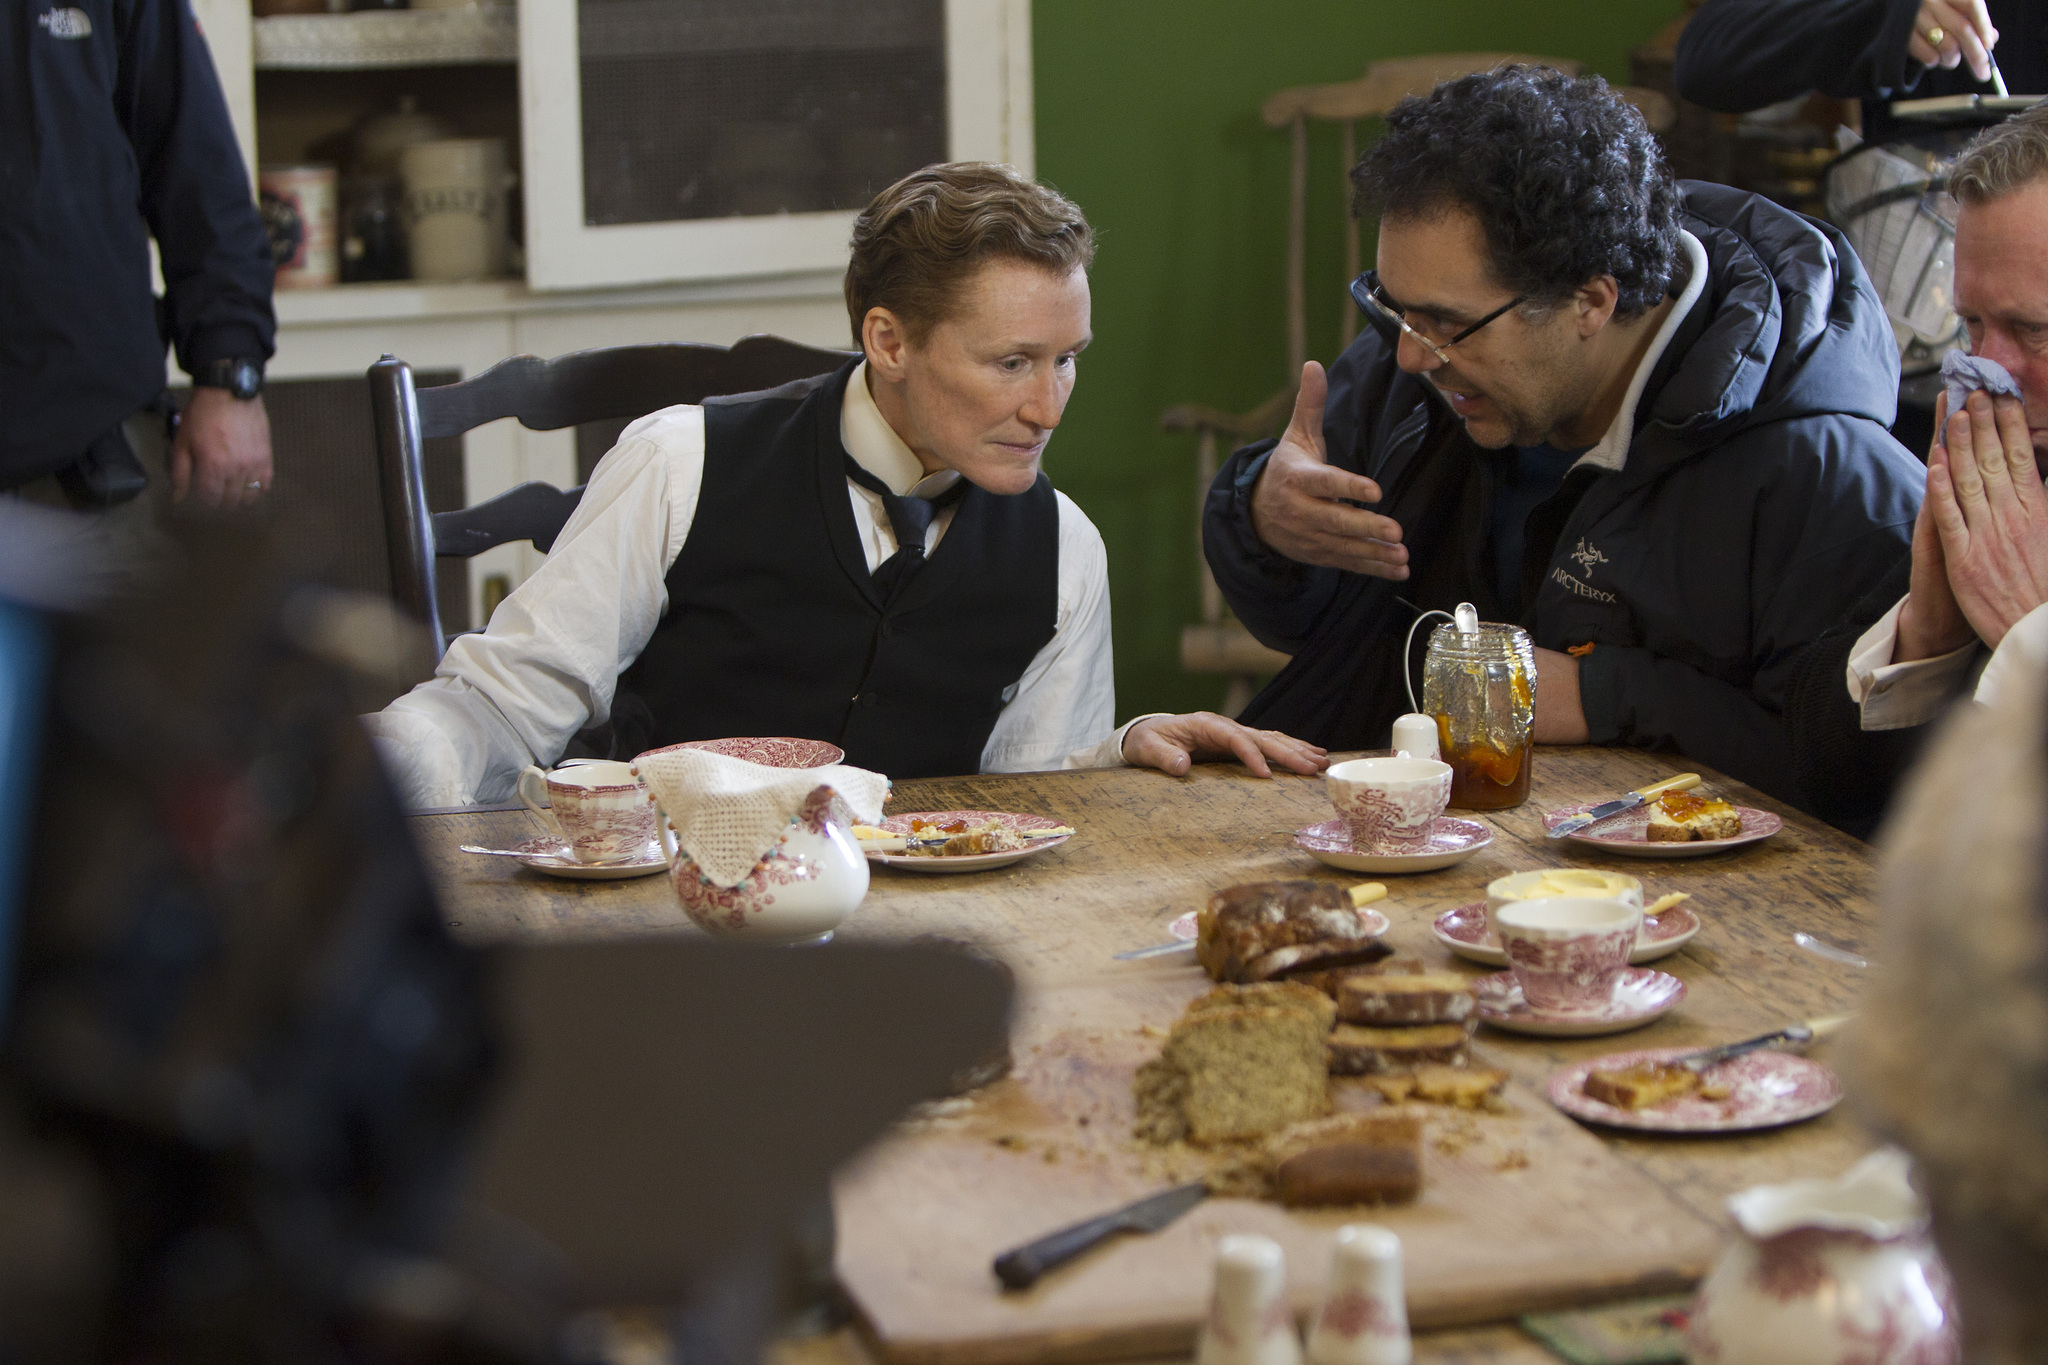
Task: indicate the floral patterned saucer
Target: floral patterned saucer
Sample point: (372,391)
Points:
(552,856)
(774,752)
(971,862)
(1624,833)
(1464,931)
(1448,841)
(1642,994)
(1767,1089)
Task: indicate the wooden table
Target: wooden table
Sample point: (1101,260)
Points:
(1151,846)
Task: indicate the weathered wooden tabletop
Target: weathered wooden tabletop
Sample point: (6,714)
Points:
(1150,847)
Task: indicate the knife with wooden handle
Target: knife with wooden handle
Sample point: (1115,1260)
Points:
(1020,1269)
(1796,1034)
(1607,810)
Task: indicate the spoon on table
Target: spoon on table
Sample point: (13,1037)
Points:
(1822,948)
(528,853)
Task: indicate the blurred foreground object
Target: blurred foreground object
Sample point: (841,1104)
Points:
(256,1105)
(1951,1056)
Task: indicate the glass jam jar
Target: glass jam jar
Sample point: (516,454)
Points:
(1480,685)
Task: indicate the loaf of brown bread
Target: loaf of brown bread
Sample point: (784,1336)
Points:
(1350,1159)
(1242,1062)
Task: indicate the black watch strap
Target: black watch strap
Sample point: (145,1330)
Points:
(242,378)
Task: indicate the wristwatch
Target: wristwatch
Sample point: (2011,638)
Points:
(242,378)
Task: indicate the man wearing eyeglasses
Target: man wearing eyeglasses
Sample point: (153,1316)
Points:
(1646,421)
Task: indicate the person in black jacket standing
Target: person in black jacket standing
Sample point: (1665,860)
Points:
(1739,55)
(113,129)
(1645,420)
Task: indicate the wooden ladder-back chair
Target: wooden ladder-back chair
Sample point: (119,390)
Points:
(1217,643)
(609,384)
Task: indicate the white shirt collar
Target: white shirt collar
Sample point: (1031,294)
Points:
(1612,451)
(877,448)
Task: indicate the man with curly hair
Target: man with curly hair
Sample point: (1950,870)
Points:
(1645,420)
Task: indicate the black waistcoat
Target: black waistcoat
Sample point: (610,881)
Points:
(774,626)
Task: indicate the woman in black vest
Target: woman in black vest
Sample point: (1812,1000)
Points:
(872,557)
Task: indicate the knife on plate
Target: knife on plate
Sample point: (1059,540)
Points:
(1796,1034)
(1020,1269)
(1607,810)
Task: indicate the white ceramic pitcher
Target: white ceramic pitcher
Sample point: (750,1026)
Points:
(799,892)
(1829,1272)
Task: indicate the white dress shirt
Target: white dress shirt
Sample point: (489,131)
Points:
(549,662)
(1895,696)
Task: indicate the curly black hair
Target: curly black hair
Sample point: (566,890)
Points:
(1562,173)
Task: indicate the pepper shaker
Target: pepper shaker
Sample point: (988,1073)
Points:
(1363,1319)
(1249,1322)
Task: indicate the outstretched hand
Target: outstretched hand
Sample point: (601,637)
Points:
(1173,744)
(1992,515)
(1300,505)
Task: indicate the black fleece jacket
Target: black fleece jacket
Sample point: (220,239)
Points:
(1761,500)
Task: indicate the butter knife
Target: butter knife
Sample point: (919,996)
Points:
(1020,1269)
(1796,1034)
(1607,810)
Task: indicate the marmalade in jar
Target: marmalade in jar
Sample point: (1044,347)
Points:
(1483,777)
(1478,684)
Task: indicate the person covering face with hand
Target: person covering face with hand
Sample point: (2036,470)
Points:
(1644,420)
(1979,574)
(872,557)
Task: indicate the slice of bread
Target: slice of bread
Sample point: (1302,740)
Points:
(1362,1050)
(1384,999)
(1640,1086)
(1678,817)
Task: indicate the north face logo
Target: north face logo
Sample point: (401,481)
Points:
(66,23)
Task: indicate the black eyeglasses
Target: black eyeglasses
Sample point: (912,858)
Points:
(1398,316)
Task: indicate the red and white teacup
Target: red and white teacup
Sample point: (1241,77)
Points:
(599,808)
(1390,803)
(1567,952)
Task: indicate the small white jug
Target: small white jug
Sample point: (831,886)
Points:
(1829,1272)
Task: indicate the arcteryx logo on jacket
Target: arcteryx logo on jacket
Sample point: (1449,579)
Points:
(1585,557)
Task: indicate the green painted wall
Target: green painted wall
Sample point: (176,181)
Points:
(1147,116)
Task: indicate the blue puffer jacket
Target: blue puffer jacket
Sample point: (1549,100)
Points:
(1762,497)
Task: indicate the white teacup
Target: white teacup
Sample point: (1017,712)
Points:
(1550,882)
(1388,802)
(1568,951)
(599,808)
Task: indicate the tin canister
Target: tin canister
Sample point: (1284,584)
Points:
(301,212)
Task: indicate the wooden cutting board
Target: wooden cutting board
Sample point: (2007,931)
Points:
(1520,1211)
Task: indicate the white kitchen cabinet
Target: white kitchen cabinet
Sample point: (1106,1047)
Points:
(690,169)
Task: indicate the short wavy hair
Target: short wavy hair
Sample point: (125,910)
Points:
(1561,173)
(918,239)
(2003,158)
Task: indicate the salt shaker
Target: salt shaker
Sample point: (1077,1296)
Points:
(1249,1322)
(1364,1315)
(1415,735)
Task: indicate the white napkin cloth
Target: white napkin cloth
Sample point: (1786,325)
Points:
(728,812)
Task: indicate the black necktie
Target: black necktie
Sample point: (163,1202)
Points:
(910,518)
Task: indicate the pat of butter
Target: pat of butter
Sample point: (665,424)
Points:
(1572,881)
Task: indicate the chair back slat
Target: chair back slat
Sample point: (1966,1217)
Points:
(616,381)
(607,384)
